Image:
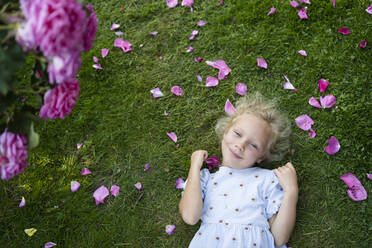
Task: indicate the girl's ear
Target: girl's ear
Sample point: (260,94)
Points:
(259,160)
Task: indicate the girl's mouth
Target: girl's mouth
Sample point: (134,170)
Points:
(234,154)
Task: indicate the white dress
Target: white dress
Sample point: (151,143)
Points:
(237,206)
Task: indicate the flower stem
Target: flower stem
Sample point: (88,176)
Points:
(5,27)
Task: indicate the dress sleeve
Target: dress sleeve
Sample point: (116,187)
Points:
(273,195)
(204,178)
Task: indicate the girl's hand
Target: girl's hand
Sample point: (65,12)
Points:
(287,177)
(198,157)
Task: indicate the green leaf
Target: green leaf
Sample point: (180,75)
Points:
(33,137)
(12,59)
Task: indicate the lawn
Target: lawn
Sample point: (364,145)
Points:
(124,127)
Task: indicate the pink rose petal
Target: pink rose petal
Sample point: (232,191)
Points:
(288,86)
(180,183)
(261,63)
(313,102)
(333,146)
(229,108)
(123,44)
(190,49)
(79,145)
(177,90)
(115,190)
(327,101)
(305,1)
(104,52)
(304,122)
(302,52)
(153,33)
(369,10)
(115,26)
(138,186)
(294,4)
(241,89)
(170,229)
(193,34)
(356,190)
(220,3)
(199,59)
(201,23)
(312,133)
(363,44)
(85,171)
(166,113)
(322,85)
(223,68)
(49,245)
(156,93)
(172,3)
(211,81)
(22,203)
(95,59)
(187,3)
(369,176)
(199,78)
(147,167)
(75,185)
(100,194)
(97,66)
(173,136)
(272,11)
(119,33)
(302,13)
(344,31)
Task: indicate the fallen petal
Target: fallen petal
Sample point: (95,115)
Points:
(114,190)
(369,176)
(212,162)
(166,113)
(119,33)
(115,26)
(303,53)
(294,4)
(199,78)
(156,93)
(173,136)
(261,63)
(177,90)
(30,231)
(305,1)
(190,49)
(334,3)
(97,66)
(79,145)
(272,11)
(223,68)
(23,202)
(153,33)
(147,167)
(333,146)
(172,3)
(180,183)
(104,52)
(356,190)
(201,23)
(312,133)
(211,81)
(220,3)
(95,59)
(369,10)
(229,108)
(85,171)
(327,101)
(288,86)
(199,59)
(322,85)
(302,13)
(170,229)
(363,44)
(138,186)
(344,31)
(75,185)
(193,34)
(241,89)
(49,245)
(100,194)
(313,102)
(304,122)
(123,44)
(187,3)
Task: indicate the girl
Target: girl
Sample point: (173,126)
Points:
(242,205)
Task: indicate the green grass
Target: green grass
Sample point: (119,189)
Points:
(124,127)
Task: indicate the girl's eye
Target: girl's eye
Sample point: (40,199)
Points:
(237,133)
(254,146)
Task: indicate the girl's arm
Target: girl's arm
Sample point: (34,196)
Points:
(282,223)
(191,204)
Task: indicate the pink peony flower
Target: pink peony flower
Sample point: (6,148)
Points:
(212,162)
(13,154)
(89,33)
(64,67)
(59,101)
(356,190)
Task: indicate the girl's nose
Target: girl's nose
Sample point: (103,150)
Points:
(240,146)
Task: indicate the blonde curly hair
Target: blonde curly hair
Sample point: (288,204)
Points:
(257,105)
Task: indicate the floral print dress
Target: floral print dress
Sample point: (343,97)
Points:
(236,209)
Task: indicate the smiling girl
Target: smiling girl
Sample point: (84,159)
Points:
(242,205)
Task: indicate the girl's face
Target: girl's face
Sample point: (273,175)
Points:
(245,142)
